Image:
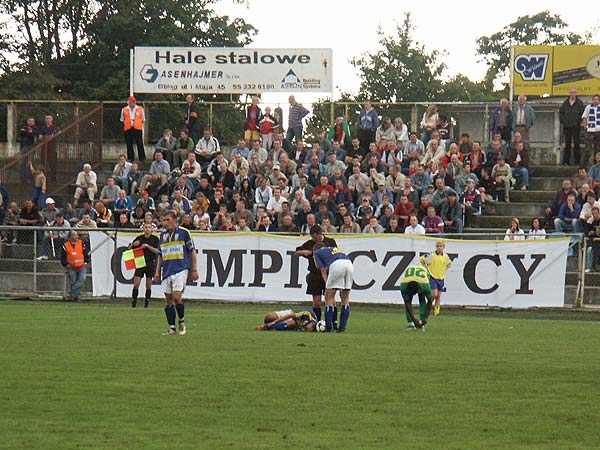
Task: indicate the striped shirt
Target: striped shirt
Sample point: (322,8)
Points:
(296,114)
(175,249)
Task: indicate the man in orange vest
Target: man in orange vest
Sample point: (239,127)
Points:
(133,119)
(74,257)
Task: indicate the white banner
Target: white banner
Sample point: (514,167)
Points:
(232,70)
(262,267)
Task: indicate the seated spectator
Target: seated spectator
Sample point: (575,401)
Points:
(121,172)
(237,163)
(385,131)
(432,223)
(181,201)
(260,152)
(220,213)
(414,227)
(103,215)
(384,214)
(109,193)
(373,227)
(581,179)
(536,232)
(138,216)
(400,130)
(274,205)
(444,175)
(134,178)
(585,216)
(158,174)
(266,225)
(224,178)
(11,218)
(567,215)
(323,213)
(123,222)
(451,213)
(460,182)
(410,192)
(465,146)
(403,210)
(391,156)
(242,225)
(86,223)
(421,179)
(434,152)
(395,181)
(514,231)
(374,163)
(476,158)
(393,227)
(340,132)
(517,138)
(595,174)
(455,167)
(559,199)
(441,194)
(453,150)
(497,137)
(241,148)
(30,214)
(167,144)
(287,224)
(227,224)
(123,204)
(423,206)
(487,187)
(49,212)
(502,173)
(519,161)
(333,165)
(241,212)
(348,226)
(381,192)
(323,186)
(86,184)
(146,201)
(208,147)
(185,146)
(491,158)
(70,214)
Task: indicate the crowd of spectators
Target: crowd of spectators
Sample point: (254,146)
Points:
(383,180)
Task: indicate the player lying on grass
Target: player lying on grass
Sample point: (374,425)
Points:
(437,263)
(415,280)
(288,319)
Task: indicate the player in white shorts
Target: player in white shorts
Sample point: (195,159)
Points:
(337,271)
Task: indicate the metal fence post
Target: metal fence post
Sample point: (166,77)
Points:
(34,261)
(582,263)
(557,136)
(114,265)
(331,112)
(414,119)
(210,116)
(11,129)
(486,122)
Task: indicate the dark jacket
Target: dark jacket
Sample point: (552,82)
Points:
(570,115)
(495,119)
(559,198)
(524,159)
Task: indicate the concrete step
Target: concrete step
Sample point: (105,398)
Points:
(543,197)
(543,155)
(554,171)
(549,184)
(516,209)
(499,221)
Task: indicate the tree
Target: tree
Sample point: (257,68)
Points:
(401,70)
(542,28)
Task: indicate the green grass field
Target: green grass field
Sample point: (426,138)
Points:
(102,376)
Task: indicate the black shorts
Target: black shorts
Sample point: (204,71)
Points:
(148,271)
(315,285)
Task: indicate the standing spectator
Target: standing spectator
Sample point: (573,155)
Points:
(192,118)
(167,144)
(568,215)
(86,184)
(519,161)
(400,130)
(46,134)
(121,171)
(591,123)
(429,123)
(385,131)
(570,113)
(502,173)
(451,213)
(414,227)
(74,256)
(514,231)
(524,117)
(39,185)
(158,174)
(296,113)
(340,132)
(185,145)
(368,122)
(29,134)
(502,120)
(267,126)
(253,115)
(133,118)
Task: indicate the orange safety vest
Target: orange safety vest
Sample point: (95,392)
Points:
(75,257)
(138,121)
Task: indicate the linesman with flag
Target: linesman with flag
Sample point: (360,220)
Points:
(141,256)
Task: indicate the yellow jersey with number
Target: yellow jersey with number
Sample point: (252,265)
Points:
(415,272)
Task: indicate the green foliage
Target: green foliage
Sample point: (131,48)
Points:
(101,376)
(543,28)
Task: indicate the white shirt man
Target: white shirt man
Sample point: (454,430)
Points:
(414,227)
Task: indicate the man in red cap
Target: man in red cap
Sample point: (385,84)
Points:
(133,119)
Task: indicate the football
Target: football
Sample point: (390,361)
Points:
(320,327)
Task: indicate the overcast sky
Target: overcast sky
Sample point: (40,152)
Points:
(350,28)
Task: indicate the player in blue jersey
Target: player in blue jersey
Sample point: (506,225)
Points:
(337,271)
(288,319)
(176,257)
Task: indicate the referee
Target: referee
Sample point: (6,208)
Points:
(149,243)
(315,285)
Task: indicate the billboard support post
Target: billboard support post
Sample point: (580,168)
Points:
(512,76)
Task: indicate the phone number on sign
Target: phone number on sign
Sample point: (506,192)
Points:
(251,86)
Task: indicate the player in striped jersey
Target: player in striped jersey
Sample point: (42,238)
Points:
(288,319)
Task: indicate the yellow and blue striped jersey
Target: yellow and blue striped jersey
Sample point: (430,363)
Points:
(175,249)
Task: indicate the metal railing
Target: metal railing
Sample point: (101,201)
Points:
(30,261)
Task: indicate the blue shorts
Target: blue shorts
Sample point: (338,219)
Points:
(437,284)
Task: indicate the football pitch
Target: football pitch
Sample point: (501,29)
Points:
(99,375)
